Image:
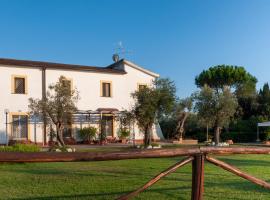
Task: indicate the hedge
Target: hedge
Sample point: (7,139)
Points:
(20,148)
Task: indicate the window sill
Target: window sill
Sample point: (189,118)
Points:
(105,97)
(20,93)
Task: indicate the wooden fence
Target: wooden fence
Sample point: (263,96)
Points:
(196,155)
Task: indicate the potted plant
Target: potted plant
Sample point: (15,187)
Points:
(124,134)
(87,134)
(267,137)
(102,138)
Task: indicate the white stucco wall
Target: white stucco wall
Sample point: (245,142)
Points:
(17,102)
(87,83)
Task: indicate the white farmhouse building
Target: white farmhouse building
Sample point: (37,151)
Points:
(103,92)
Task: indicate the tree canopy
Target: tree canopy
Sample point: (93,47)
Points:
(152,103)
(58,106)
(264,101)
(215,108)
(232,82)
(224,75)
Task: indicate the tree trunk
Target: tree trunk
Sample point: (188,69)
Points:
(180,126)
(146,136)
(207,133)
(59,135)
(217,134)
(181,130)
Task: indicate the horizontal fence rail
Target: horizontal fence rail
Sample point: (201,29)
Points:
(197,156)
(135,154)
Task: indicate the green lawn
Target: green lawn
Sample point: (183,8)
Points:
(108,180)
(128,148)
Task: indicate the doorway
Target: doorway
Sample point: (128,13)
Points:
(19,128)
(107,126)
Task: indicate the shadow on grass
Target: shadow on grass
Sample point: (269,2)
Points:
(238,185)
(90,174)
(175,194)
(109,195)
(228,197)
(75,196)
(245,162)
(66,173)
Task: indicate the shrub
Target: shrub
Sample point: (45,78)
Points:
(239,136)
(200,136)
(168,127)
(248,125)
(124,133)
(265,135)
(88,133)
(20,148)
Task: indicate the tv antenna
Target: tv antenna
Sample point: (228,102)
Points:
(120,52)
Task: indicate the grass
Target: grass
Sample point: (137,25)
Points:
(110,179)
(105,149)
(127,148)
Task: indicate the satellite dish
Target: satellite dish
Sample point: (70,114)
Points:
(115,57)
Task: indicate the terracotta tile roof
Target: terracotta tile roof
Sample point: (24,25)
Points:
(50,65)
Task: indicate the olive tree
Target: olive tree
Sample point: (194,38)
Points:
(58,106)
(217,108)
(233,81)
(152,103)
(182,110)
(126,119)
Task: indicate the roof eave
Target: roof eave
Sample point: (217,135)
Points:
(60,66)
(131,64)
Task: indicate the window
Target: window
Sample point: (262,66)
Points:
(106,89)
(141,86)
(19,84)
(19,128)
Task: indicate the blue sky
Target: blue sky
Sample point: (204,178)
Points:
(177,39)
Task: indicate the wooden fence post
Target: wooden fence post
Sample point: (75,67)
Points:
(197,177)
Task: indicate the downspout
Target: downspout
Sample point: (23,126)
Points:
(43,98)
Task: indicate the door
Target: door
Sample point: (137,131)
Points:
(107,125)
(19,128)
(67,132)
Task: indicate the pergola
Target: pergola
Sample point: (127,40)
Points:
(98,114)
(80,117)
(262,124)
(83,117)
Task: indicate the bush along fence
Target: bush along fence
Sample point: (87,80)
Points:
(196,156)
